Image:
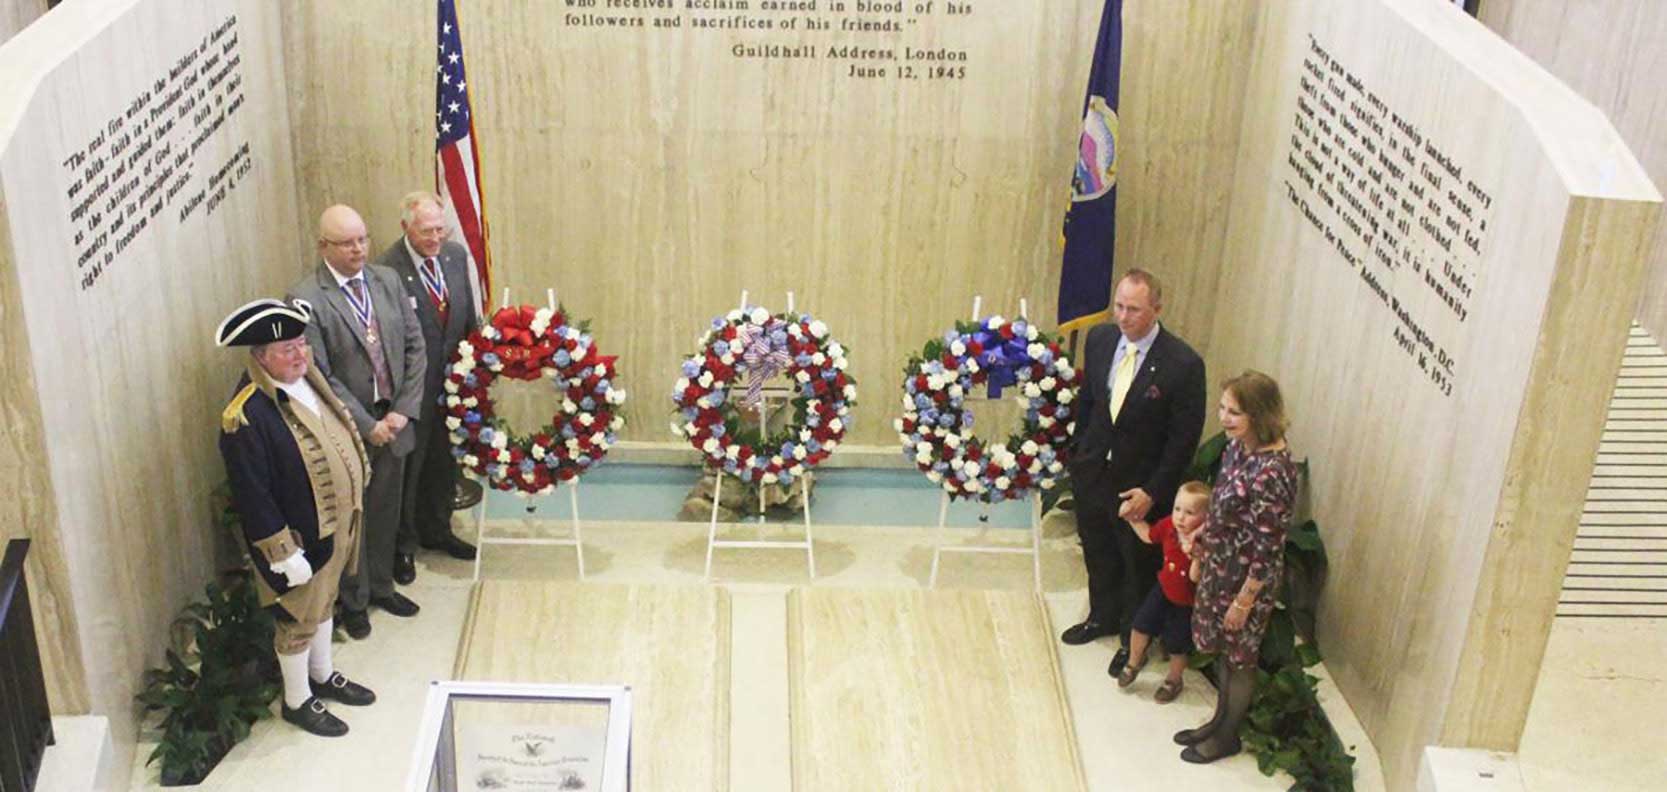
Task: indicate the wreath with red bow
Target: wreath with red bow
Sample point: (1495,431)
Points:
(527,343)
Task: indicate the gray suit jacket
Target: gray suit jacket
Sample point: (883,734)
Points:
(341,353)
(462,315)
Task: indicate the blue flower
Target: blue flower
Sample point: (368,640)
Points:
(602,386)
(527,464)
(690,413)
(802,359)
(458,453)
(950,337)
(471,417)
(720,348)
(966,419)
(717,397)
(587,403)
(922,402)
(1046,358)
(778,338)
(812,446)
(490,359)
(940,466)
(929,415)
(718,430)
(561,358)
(486,435)
(691,369)
(829,374)
(1062,413)
(914,439)
(469,380)
(495,470)
(1019,328)
(946,420)
(567,432)
(729,466)
(813,420)
(584,460)
(934,367)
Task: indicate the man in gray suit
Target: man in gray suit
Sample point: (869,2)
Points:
(435,274)
(368,344)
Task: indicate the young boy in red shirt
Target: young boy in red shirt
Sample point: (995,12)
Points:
(1167,611)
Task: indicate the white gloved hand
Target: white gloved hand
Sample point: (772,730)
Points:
(295,568)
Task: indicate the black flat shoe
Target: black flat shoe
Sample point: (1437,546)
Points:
(1191,737)
(1119,662)
(357,624)
(405,569)
(454,547)
(1195,756)
(340,688)
(397,604)
(1079,634)
(314,718)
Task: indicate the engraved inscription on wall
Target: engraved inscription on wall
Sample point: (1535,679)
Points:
(141,168)
(863,39)
(1394,205)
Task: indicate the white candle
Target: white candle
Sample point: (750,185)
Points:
(743,299)
(977,302)
(550,298)
(790,302)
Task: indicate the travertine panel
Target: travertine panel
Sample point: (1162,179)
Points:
(1442,312)
(918,690)
(1611,53)
(651,175)
(145,170)
(669,643)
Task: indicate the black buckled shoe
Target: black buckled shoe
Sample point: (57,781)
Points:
(313,717)
(340,688)
(454,547)
(1119,662)
(396,603)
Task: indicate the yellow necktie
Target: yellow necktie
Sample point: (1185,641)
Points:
(1125,378)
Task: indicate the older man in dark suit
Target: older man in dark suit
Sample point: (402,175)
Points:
(1140,414)
(434,271)
(368,344)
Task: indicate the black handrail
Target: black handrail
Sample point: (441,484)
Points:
(25,717)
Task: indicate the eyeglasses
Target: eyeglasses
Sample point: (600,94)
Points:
(432,232)
(360,241)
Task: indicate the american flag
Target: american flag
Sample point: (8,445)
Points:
(456,159)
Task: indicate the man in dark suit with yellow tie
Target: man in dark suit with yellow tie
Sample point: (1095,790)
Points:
(434,271)
(368,345)
(1140,415)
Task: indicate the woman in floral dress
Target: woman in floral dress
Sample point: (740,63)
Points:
(1241,554)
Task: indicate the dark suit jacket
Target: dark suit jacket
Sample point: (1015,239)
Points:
(341,353)
(1157,429)
(462,315)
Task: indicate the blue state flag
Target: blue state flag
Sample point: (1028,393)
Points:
(1091,221)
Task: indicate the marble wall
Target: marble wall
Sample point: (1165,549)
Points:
(1611,52)
(1434,247)
(146,179)
(650,175)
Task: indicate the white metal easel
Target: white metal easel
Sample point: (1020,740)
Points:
(712,540)
(938,536)
(576,537)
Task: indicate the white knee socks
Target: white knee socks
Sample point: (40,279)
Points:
(296,689)
(319,664)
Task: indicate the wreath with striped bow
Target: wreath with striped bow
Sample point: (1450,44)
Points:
(527,343)
(936,428)
(738,354)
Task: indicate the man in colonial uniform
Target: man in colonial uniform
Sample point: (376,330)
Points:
(297,470)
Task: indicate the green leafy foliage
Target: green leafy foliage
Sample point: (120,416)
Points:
(1206,461)
(211,691)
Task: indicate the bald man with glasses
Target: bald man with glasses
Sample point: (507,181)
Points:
(368,344)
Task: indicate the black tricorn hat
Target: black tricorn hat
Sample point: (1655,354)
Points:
(263,322)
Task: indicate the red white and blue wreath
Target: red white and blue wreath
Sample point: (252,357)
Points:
(754,343)
(527,343)
(936,427)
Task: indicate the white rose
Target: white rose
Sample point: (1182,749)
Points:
(677,428)
(802,377)
(703,403)
(1065,396)
(759,316)
(500,440)
(830,445)
(537,451)
(615,396)
(957,348)
(793,330)
(1047,484)
(798,452)
(727,358)
(1048,383)
(934,382)
(710,446)
(705,379)
(1055,467)
(956,392)
(805,435)
(1065,369)
(897,425)
(732,452)
(1035,466)
(835,350)
(599,439)
(842,411)
(471,460)
(850,393)
(839,362)
(587,419)
(996,322)
(471,402)
(934,476)
(682,384)
(1032,391)
(1030,332)
(818,358)
(1045,421)
(974,485)
(971,467)
(1029,448)
(1035,350)
(818,329)
(953,441)
(572,445)
(503,456)
(908,403)
(923,454)
(453,423)
(453,401)
(602,369)
(972,366)
(1003,482)
(733,316)
(567,406)
(769,478)
(617,423)
(451,387)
